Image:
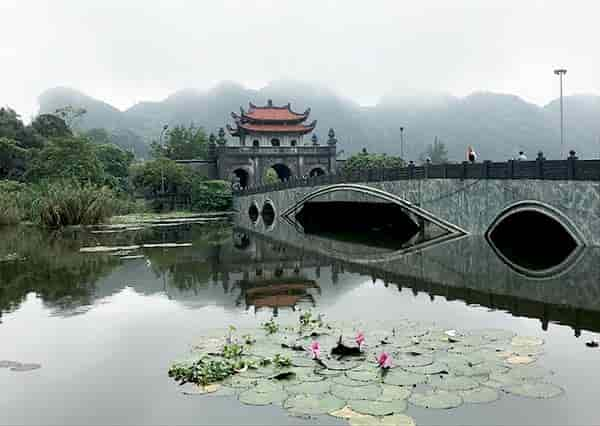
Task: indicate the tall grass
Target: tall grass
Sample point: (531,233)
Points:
(64,203)
(10,211)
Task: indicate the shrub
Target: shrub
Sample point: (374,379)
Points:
(64,203)
(10,211)
(211,195)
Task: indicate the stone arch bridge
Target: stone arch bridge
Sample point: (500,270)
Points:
(461,198)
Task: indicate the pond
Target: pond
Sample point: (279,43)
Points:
(104,328)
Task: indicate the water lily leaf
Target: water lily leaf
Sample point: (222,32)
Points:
(518,359)
(393,393)
(407,360)
(526,341)
(453,383)
(528,372)
(328,373)
(493,334)
(346,413)
(333,364)
(438,399)
(251,397)
(313,404)
(378,408)
(361,392)
(305,374)
(303,361)
(255,373)
(313,388)
(370,375)
(240,382)
(268,386)
(479,395)
(202,390)
(25,367)
(226,391)
(434,368)
(347,381)
(535,390)
(478,370)
(525,350)
(394,420)
(399,377)
(9,364)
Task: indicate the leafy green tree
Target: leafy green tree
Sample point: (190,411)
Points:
(70,114)
(115,163)
(436,152)
(68,158)
(98,136)
(12,127)
(147,177)
(182,143)
(13,159)
(51,126)
(365,161)
(271,176)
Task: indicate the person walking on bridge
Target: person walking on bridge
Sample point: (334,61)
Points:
(471,154)
(522,156)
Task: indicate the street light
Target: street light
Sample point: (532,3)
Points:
(402,143)
(162,169)
(560,72)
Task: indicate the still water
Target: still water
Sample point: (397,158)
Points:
(105,329)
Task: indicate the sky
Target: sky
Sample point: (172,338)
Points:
(127,51)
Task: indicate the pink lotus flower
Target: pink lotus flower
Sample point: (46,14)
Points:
(359,339)
(315,350)
(384,360)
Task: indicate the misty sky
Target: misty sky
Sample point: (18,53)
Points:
(125,51)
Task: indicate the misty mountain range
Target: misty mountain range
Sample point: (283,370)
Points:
(496,125)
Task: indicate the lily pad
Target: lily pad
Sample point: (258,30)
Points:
(303,361)
(340,365)
(528,372)
(251,397)
(240,382)
(268,386)
(370,375)
(437,399)
(346,413)
(519,359)
(393,393)
(526,341)
(535,390)
(378,408)
(434,368)
(394,420)
(493,334)
(312,388)
(407,360)
(9,364)
(479,395)
(452,383)
(313,404)
(403,378)
(347,381)
(202,390)
(361,392)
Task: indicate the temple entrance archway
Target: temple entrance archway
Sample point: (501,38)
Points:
(317,171)
(283,172)
(242,177)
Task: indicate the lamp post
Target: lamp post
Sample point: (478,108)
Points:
(560,73)
(162,169)
(402,143)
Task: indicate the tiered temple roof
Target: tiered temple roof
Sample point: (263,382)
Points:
(270,119)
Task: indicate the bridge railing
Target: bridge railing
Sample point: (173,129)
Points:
(569,169)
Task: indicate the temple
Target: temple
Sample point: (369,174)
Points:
(273,142)
(269,126)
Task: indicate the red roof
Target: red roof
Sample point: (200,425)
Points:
(276,114)
(275,128)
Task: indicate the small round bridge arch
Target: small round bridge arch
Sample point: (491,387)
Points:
(317,171)
(283,171)
(268,213)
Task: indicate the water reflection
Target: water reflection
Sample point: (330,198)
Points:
(242,270)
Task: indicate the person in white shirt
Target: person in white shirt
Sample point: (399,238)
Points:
(522,156)
(471,155)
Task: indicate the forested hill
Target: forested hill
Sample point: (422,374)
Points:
(496,125)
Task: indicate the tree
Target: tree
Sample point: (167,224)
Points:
(366,161)
(182,143)
(437,153)
(147,177)
(70,158)
(115,164)
(271,176)
(51,126)
(70,114)
(98,136)
(13,159)
(12,127)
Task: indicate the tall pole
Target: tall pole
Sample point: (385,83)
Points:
(560,72)
(162,169)
(402,143)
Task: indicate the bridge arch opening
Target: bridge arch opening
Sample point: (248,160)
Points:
(534,239)
(242,177)
(282,171)
(268,213)
(275,142)
(317,171)
(253,213)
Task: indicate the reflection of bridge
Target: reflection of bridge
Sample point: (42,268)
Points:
(466,196)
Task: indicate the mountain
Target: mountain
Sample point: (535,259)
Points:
(496,125)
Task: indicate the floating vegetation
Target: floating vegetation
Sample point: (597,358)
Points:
(18,366)
(365,374)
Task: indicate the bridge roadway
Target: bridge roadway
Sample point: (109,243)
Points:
(469,198)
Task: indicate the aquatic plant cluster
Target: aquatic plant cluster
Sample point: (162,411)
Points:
(366,373)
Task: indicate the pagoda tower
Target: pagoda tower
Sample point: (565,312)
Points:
(270,126)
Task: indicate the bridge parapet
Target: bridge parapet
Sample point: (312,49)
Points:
(539,169)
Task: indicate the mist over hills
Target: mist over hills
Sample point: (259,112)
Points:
(496,125)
